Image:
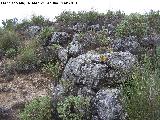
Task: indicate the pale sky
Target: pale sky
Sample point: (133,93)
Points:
(25,11)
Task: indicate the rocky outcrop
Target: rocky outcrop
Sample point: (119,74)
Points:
(92,68)
(97,76)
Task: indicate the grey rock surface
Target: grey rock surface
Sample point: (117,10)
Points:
(33,30)
(59,38)
(83,70)
(128,44)
(107,105)
(63,55)
(94,27)
(122,60)
(89,69)
(75,48)
(80,27)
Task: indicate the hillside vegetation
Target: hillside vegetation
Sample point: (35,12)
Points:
(91,65)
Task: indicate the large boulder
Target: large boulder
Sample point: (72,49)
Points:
(122,60)
(86,75)
(107,105)
(92,69)
(84,70)
(127,44)
(111,29)
(61,38)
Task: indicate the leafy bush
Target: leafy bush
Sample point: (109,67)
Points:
(28,56)
(10,24)
(46,32)
(8,40)
(34,20)
(23,24)
(11,53)
(39,20)
(52,70)
(132,25)
(38,109)
(153,21)
(73,108)
(102,38)
(141,92)
(27,60)
(69,17)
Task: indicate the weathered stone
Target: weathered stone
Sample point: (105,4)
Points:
(24,68)
(107,105)
(128,44)
(63,55)
(94,27)
(33,30)
(83,70)
(75,48)
(60,38)
(5,114)
(57,95)
(91,69)
(122,60)
(111,29)
(80,27)
(148,41)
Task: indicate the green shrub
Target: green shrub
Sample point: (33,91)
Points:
(73,108)
(23,24)
(39,20)
(10,24)
(102,38)
(141,92)
(27,55)
(133,25)
(52,70)
(8,40)
(27,60)
(38,109)
(45,34)
(11,53)
(153,21)
(69,17)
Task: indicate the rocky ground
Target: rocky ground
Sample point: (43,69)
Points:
(94,64)
(20,90)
